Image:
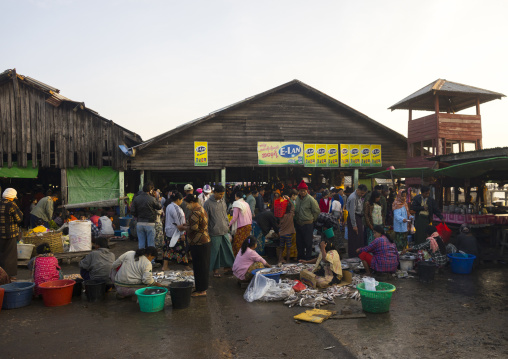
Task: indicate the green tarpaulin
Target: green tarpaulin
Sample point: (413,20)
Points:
(404,173)
(475,168)
(18,172)
(92,184)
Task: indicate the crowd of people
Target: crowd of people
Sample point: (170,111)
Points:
(223,231)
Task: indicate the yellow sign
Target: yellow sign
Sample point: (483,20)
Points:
(365,155)
(200,153)
(333,155)
(280,153)
(355,158)
(321,156)
(344,156)
(309,157)
(375,155)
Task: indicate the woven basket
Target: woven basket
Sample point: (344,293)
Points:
(54,239)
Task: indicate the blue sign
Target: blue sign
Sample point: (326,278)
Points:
(290,151)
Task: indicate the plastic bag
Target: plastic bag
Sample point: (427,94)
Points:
(444,232)
(174,239)
(281,291)
(299,286)
(258,287)
(370,283)
(80,236)
(266,289)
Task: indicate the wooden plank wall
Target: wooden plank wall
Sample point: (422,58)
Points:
(293,114)
(460,127)
(29,125)
(423,128)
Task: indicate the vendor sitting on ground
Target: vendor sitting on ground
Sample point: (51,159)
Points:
(44,267)
(433,248)
(132,271)
(466,241)
(248,260)
(97,265)
(381,254)
(328,269)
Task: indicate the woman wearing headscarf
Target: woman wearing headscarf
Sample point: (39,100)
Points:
(433,248)
(10,216)
(401,219)
(241,223)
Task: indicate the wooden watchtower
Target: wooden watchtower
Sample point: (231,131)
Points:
(444,131)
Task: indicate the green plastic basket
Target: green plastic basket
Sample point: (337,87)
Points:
(377,301)
(151,303)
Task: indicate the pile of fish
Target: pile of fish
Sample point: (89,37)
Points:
(174,276)
(309,298)
(315,299)
(295,268)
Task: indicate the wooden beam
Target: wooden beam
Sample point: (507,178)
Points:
(121,184)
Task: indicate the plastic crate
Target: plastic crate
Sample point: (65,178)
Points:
(377,301)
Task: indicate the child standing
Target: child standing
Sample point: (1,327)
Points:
(286,231)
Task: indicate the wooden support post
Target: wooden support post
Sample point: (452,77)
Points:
(477,107)
(217,176)
(121,188)
(223,176)
(356,179)
(410,114)
(64,188)
(141,179)
(436,104)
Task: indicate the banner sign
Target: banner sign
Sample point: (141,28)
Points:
(309,155)
(321,156)
(333,155)
(200,153)
(344,156)
(280,153)
(375,155)
(360,156)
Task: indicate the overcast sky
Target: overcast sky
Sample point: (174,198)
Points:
(153,65)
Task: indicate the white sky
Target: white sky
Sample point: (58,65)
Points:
(153,65)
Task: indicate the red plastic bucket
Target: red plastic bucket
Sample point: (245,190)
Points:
(57,292)
(2,291)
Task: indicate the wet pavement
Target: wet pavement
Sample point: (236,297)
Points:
(459,316)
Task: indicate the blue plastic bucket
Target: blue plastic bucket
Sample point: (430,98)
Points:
(274,276)
(125,221)
(460,264)
(17,295)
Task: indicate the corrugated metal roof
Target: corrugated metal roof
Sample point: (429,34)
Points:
(463,95)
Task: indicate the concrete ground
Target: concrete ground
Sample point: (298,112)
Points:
(458,316)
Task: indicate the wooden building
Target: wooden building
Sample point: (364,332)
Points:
(40,125)
(291,112)
(444,131)
(43,130)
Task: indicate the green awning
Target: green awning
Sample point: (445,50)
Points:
(19,172)
(403,173)
(475,168)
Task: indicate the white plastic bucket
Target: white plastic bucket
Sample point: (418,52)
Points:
(25,251)
(407,264)
(80,236)
(370,283)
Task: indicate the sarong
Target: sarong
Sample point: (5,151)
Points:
(241,234)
